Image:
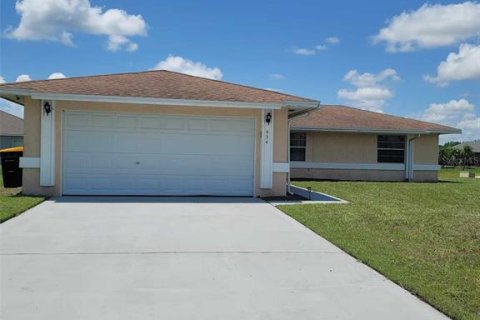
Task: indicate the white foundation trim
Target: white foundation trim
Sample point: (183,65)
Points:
(29,163)
(266,149)
(47,145)
(361,166)
(426,167)
(283,167)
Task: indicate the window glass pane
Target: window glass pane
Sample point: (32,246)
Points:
(391,156)
(391,145)
(298,135)
(297,154)
(390,148)
(298,143)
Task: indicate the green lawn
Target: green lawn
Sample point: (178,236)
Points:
(12,203)
(423,236)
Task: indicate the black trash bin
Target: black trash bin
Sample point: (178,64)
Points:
(11,171)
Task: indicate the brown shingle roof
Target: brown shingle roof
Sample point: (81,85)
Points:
(342,118)
(159,84)
(10,125)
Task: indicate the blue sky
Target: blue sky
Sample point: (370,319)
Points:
(377,55)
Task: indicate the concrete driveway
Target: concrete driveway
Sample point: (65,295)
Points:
(187,258)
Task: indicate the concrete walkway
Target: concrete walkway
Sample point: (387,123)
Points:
(184,258)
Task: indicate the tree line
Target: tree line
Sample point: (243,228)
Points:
(450,156)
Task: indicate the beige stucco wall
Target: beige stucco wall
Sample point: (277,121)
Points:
(426,149)
(31,177)
(333,147)
(361,148)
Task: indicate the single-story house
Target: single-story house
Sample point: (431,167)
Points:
(11,130)
(344,143)
(154,133)
(167,133)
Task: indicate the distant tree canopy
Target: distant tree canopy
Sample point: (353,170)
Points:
(450,144)
(450,156)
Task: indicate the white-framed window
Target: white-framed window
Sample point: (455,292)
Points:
(391,149)
(298,144)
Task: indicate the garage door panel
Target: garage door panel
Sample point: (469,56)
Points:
(231,127)
(111,153)
(206,144)
(198,125)
(102,121)
(78,121)
(92,141)
(149,185)
(120,163)
(126,122)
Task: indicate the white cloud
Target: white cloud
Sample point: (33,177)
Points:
(2,80)
(327,43)
(431,26)
(182,65)
(320,47)
(332,40)
(464,65)
(304,51)
(455,113)
(371,99)
(118,42)
(56,75)
(369,90)
(369,79)
(448,112)
(12,108)
(23,78)
(277,76)
(57,20)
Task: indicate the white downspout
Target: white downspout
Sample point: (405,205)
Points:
(289,191)
(409,164)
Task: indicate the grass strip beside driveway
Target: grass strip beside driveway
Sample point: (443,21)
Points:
(12,203)
(423,236)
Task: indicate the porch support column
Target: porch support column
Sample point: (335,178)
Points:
(266,161)
(47,143)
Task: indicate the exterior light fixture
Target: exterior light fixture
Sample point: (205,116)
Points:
(47,107)
(268,118)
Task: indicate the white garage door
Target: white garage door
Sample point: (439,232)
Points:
(130,154)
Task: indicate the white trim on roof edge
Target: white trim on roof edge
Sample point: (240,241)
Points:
(158,101)
(361,166)
(371,130)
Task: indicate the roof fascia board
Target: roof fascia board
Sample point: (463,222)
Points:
(158,101)
(378,130)
(310,105)
(303,112)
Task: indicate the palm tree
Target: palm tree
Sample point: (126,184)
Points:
(467,156)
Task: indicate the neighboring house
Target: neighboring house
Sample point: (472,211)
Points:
(475,145)
(154,133)
(11,130)
(343,143)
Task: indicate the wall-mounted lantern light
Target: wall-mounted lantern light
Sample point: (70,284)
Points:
(47,107)
(268,118)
